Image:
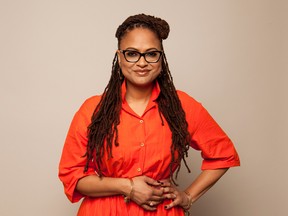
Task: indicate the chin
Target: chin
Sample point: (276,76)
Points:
(143,83)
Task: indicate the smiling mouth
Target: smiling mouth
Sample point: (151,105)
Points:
(142,72)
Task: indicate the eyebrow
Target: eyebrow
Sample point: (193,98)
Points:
(150,49)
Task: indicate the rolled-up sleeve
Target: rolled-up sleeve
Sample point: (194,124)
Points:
(217,150)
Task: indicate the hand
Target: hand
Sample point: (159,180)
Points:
(179,198)
(147,192)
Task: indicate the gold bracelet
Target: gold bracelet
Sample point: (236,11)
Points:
(128,198)
(188,206)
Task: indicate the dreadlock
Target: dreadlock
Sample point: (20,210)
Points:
(106,116)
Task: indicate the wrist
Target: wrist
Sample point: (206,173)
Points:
(189,203)
(129,194)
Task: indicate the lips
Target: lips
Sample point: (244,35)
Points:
(142,72)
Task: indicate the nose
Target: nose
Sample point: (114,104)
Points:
(142,62)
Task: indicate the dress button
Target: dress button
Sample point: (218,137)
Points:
(139,169)
(142,144)
(141,121)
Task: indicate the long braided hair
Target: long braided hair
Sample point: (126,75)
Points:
(106,116)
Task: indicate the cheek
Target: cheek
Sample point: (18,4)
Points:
(124,66)
(159,68)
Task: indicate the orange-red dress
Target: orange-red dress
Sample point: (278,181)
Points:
(144,149)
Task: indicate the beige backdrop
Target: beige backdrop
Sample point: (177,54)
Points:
(230,55)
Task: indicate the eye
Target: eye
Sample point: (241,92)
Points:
(152,54)
(131,53)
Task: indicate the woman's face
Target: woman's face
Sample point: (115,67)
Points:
(140,73)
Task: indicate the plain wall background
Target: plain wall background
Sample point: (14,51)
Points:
(230,55)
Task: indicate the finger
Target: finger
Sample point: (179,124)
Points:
(153,203)
(172,204)
(152,182)
(168,190)
(157,198)
(169,196)
(165,182)
(148,208)
(158,192)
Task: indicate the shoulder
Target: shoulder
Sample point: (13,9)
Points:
(88,106)
(191,106)
(91,102)
(186,99)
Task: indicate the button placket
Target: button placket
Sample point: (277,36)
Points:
(139,167)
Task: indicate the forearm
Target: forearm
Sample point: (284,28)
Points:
(204,182)
(95,186)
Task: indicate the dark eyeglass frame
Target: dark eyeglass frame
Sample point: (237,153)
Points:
(141,54)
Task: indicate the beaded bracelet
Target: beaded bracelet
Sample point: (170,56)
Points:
(128,198)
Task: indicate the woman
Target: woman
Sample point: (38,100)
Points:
(123,148)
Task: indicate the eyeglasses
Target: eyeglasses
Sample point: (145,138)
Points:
(133,56)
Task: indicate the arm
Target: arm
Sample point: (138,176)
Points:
(95,186)
(217,151)
(199,186)
(144,189)
(204,182)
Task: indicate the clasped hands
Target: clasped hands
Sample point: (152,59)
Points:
(148,193)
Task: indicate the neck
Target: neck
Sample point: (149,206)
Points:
(140,94)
